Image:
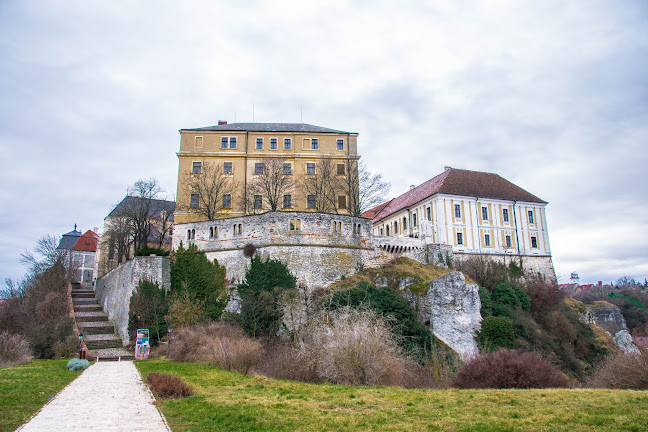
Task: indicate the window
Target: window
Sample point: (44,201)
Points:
(341,199)
(530,212)
(505,216)
(197,168)
(381,231)
(484,213)
(227,201)
(459,238)
(224,141)
(395,228)
(287,202)
(340,144)
(258,168)
(259,143)
(310,201)
(314,144)
(194,201)
(258,202)
(233,142)
(534,242)
(487,240)
(509,243)
(310,168)
(287,168)
(198,142)
(457,210)
(287,143)
(341,169)
(227,168)
(429,213)
(273,143)
(404,224)
(414,220)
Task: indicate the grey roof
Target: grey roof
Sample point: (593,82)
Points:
(69,239)
(269,127)
(156,206)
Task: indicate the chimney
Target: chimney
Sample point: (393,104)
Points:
(222,122)
(412,187)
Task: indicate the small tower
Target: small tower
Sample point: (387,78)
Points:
(574,278)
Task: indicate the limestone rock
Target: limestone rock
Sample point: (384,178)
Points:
(451,308)
(233,302)
(623,339)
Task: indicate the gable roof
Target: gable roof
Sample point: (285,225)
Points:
(269,127)
(157,206)
(87,242)
(459,182)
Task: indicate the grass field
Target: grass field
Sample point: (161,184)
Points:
(227,401)
(25,389)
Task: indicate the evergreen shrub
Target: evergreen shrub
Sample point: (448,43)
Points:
(78,364)
(496,332)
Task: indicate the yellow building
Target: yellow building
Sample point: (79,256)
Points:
(226,170)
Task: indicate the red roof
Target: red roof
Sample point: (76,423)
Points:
(455,182)
(87,242)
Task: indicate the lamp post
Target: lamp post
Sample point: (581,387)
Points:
(81,351)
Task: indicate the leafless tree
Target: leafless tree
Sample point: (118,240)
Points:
(324,185)
(120,238)
(365,189)
(272,184)
(44,256)
(210,185)
(165,226)
(140,211)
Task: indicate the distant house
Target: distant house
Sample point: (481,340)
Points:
(80,252)
(116,245)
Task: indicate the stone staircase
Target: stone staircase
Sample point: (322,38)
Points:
(98,333)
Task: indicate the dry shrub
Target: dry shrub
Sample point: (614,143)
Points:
(217,344)
(356,347)
(185,310)
(509,369)
(66,348)
(165,386)
(14,350)
(281,359)
(622,371)
(544,295)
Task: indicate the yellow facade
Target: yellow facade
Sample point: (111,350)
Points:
(244,145)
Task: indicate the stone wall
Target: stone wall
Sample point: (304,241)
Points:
(113,290)
(532,264)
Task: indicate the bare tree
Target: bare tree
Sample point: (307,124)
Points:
(165,226)
(140,211)
(208,188)
(324,185)
(119,232)
(275,181)
(365,189)
(44,256)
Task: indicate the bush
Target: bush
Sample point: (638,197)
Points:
(192,271)
(622,371)
(14,350)
(165,386)
(509,369)
(67,347)
(261,294)
(148,306)
(185,310)
(496,332)
(544,296)
(215,344)
(507,297)
(486,302)
(78,364)
(282,360)
(411,334)
(357,347)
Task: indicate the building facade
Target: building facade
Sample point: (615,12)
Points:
(477,213)
(238,155)
(79,254)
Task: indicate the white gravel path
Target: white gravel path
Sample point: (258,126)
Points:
(108,396)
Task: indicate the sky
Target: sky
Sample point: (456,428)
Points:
(551,95)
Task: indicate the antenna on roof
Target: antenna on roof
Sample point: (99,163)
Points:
(75,227)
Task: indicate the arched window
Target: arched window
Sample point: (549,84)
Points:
(292,225)
(188,234)
(298,224)
(215,231)
(359,230)
(211,232)
(395,227)
(193,234)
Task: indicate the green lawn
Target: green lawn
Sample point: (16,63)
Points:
(25,389)
(227,401)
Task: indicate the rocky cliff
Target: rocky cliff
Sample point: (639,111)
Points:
(609,317)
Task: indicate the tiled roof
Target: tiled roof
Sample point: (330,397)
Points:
(156,206)
(459,182)
(87,242)
(69,240)
(269,127)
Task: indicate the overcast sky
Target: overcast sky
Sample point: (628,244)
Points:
(551,95)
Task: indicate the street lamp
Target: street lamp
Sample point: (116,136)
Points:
(81,353)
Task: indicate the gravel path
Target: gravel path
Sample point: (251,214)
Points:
(108,396)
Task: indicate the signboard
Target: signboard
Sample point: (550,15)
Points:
(142,346)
